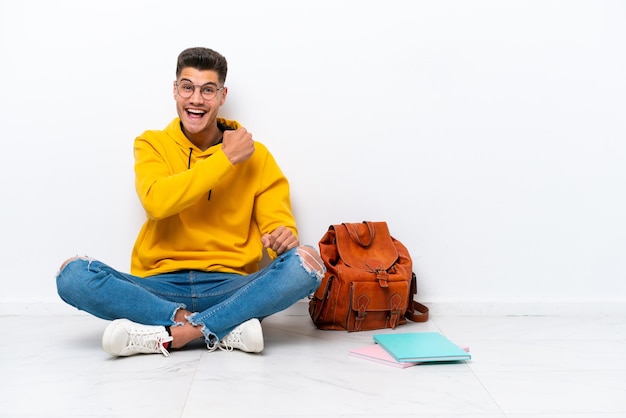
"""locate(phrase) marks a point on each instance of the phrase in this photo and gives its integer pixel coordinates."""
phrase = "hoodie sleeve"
(273, 203)
(163, 189)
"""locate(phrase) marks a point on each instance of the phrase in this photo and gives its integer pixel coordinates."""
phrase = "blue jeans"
(218, 301)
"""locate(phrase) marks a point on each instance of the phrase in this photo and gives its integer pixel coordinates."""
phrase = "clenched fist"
(280, 240)
(238, 145)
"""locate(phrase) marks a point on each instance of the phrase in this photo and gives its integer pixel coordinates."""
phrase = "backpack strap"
(422, 316)
(416, 312)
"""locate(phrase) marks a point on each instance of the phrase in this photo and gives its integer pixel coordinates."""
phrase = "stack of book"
(408, 349)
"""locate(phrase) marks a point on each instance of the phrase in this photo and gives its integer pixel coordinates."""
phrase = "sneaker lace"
(151, 340)
(228, 342)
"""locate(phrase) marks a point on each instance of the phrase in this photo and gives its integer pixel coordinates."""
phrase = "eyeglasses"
(186, 90)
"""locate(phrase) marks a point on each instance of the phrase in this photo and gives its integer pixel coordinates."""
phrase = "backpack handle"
(354, 234)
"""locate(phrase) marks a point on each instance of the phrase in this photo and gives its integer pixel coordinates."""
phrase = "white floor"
(522, 366)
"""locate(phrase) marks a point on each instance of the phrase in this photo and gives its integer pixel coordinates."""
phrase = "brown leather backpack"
(369, 283)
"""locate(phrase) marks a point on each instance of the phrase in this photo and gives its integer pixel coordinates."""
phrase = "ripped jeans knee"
(69, 260)
(311, 261)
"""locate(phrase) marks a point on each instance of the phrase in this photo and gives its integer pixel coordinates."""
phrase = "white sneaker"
(125, 338)
(246, 337)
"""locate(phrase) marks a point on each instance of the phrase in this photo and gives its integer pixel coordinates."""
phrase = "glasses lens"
(208, 92)
(185, 89)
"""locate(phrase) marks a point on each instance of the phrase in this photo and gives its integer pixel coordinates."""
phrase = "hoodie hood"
(175, 131)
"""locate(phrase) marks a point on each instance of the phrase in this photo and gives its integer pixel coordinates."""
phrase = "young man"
(214, 199)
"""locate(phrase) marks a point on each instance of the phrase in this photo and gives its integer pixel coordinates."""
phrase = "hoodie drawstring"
(189, 166)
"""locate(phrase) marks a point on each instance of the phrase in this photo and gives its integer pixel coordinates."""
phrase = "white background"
(490, 135)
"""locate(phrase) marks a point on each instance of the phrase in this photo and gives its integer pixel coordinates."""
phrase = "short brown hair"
(202, 59)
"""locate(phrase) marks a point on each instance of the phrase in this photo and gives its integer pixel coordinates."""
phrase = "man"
(214, 199)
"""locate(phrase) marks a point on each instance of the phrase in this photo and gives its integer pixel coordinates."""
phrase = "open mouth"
(195, 113)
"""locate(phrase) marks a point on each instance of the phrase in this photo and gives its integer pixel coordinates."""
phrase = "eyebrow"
(201, 85)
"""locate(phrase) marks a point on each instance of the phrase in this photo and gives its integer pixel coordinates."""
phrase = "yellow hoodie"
(203, 212)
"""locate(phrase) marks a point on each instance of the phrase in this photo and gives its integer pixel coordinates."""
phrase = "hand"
(280, 240)
(238, 145)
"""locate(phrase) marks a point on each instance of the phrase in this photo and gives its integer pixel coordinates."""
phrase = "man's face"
(197, 113)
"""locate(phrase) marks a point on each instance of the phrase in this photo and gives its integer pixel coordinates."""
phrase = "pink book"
(378, 354)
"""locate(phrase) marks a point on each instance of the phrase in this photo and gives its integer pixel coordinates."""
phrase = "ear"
(223, 97)
(174, 90)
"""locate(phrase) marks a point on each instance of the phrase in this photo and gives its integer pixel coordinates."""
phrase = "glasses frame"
(187, 83)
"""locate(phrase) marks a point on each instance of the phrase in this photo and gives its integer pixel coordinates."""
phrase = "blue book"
(421, 347)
